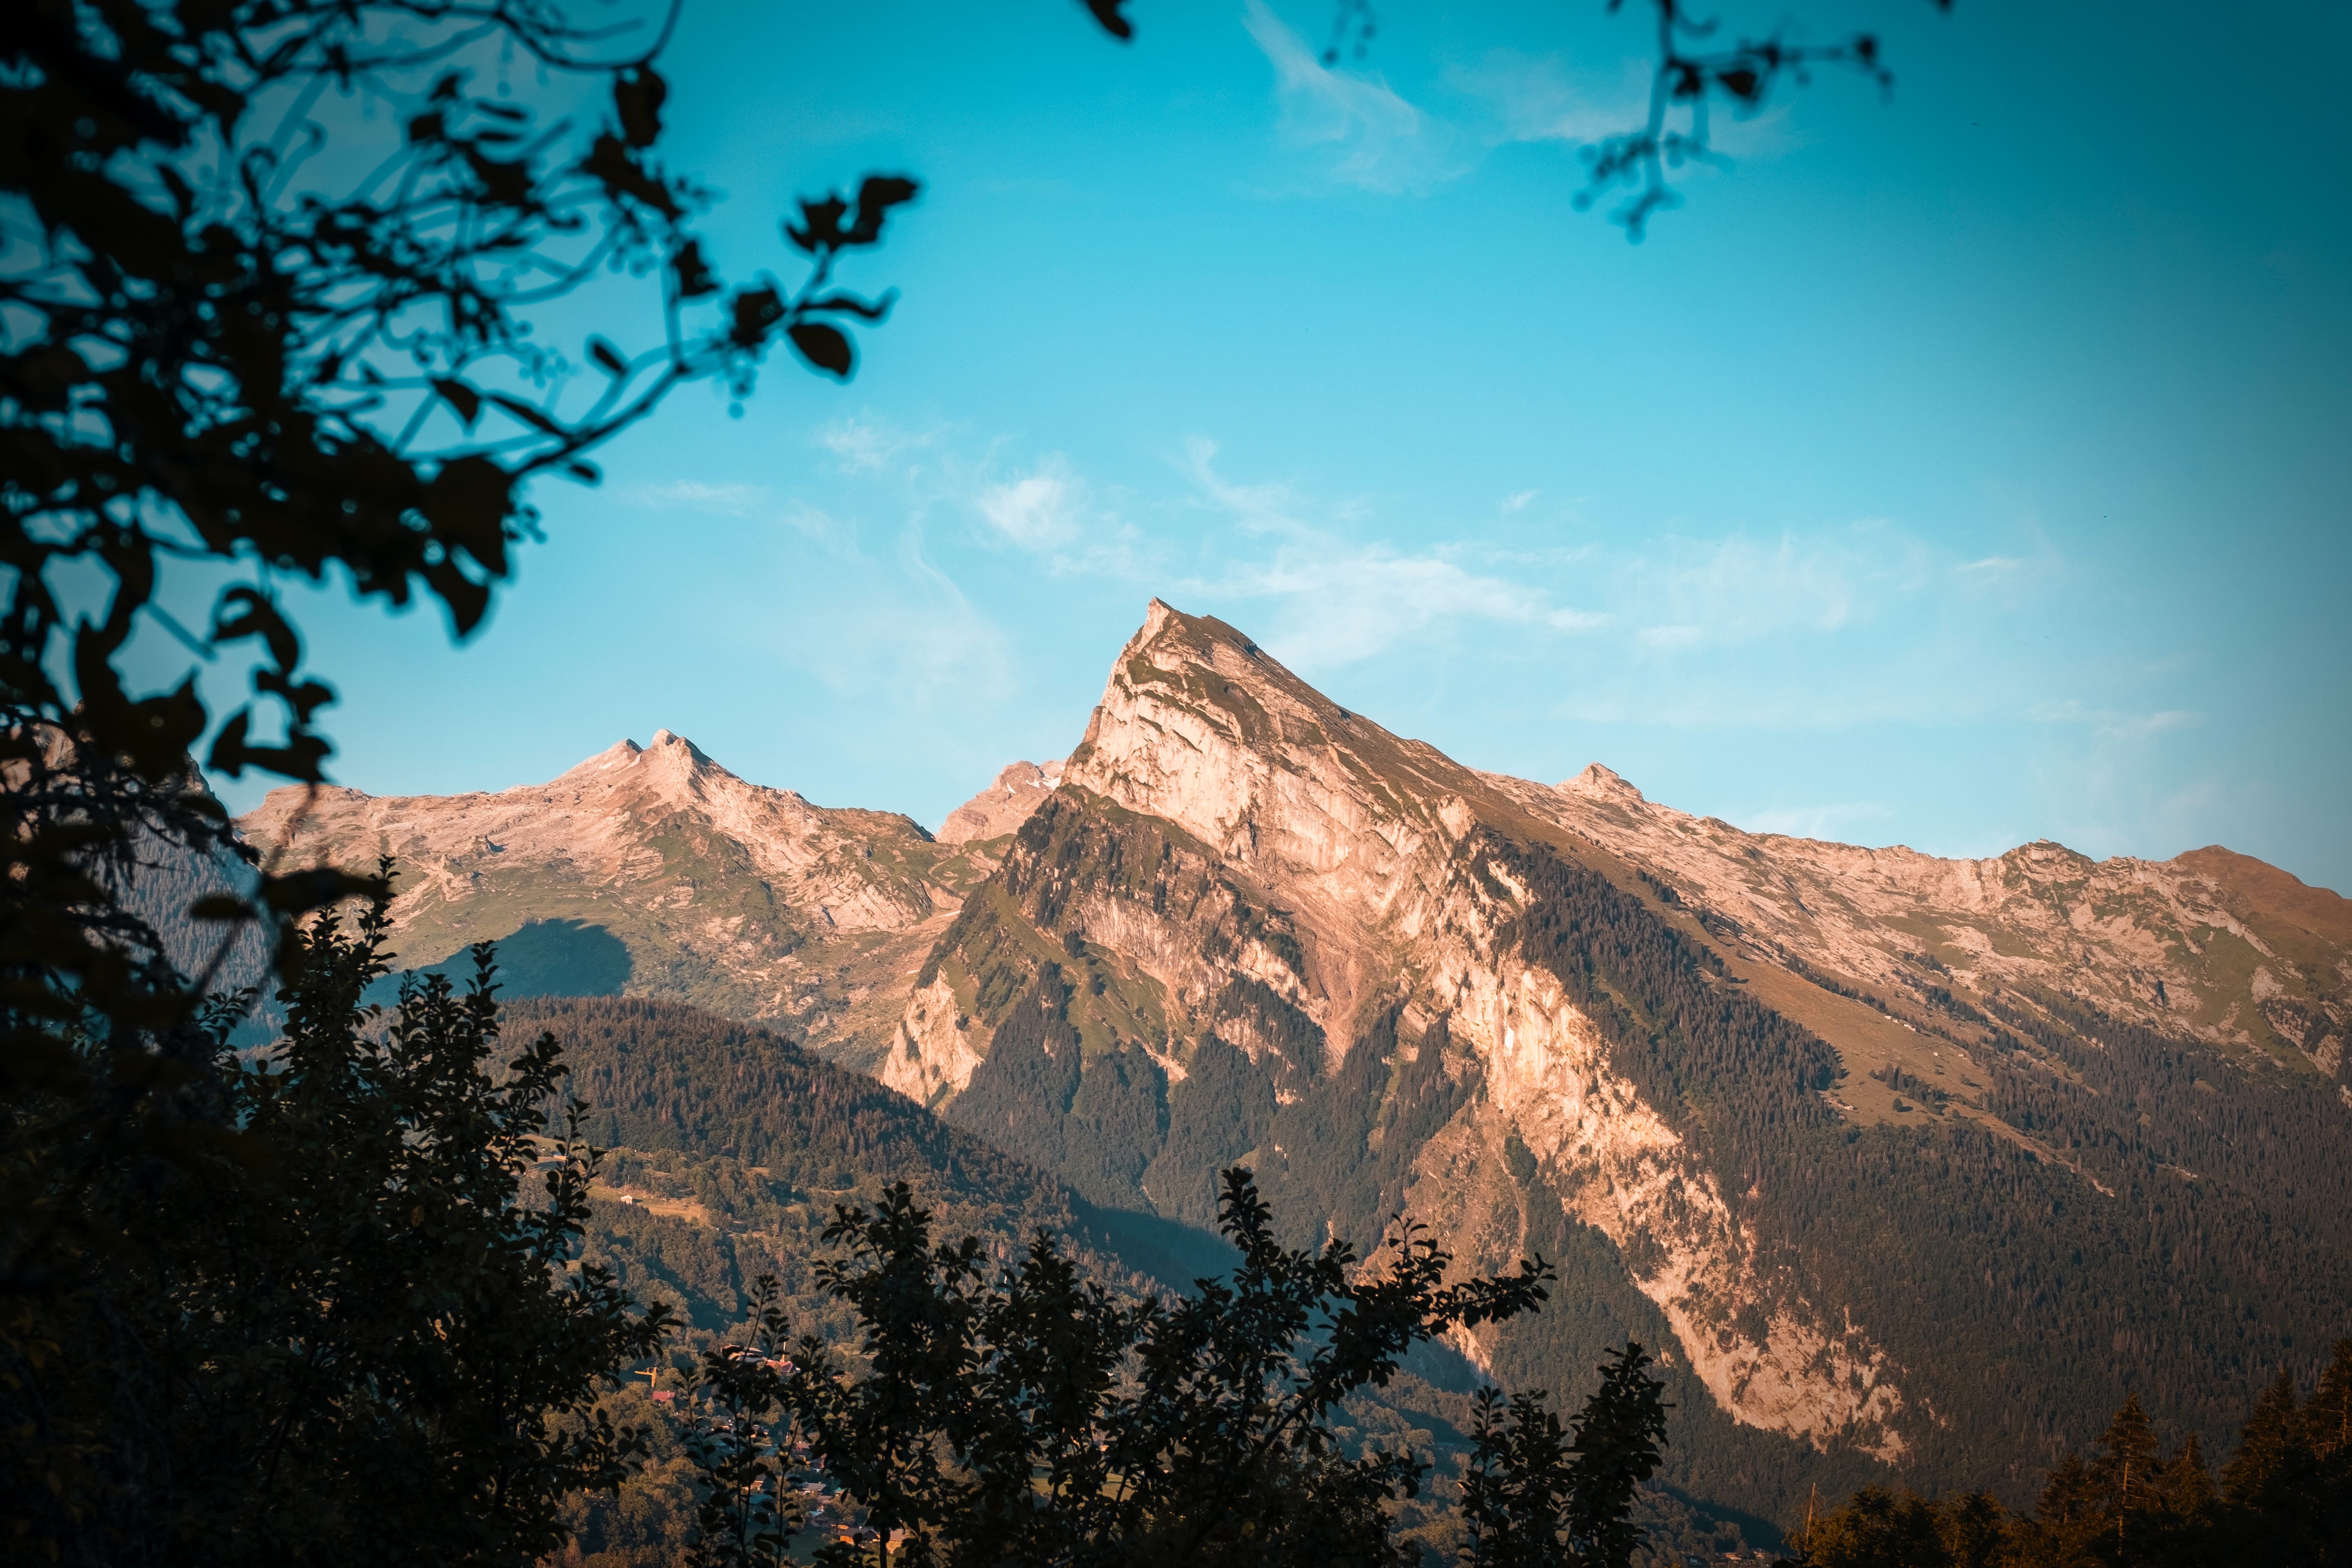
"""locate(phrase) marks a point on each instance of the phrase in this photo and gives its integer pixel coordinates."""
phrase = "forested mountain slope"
(732, 1145)
(2210, 945)
(1252, 926)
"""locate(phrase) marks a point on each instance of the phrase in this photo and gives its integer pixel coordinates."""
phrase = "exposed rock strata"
(1341, 846)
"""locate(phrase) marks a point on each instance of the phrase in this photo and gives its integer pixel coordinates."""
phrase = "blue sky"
(1954, 470)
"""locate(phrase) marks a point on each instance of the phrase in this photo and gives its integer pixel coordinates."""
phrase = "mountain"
(1905, 1162)
(653, 872)
(1908, 1165)
(2211, 945)
(1004, 806)
(729, 1147)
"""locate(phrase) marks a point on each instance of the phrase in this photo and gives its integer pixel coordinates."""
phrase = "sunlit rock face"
(747, 899)
(1005, 804)
(1249, 925)
(1307, 872)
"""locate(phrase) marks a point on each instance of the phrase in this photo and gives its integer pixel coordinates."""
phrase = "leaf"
(827, 348)
(820, 224)
(461, 397)
(876, 196)
(694, 279)
(612, 163)
(865, 309)
(608, 358)
(756, 309)
(638, 95)
(245, 612)
(1106, 12)
(184, 199)
(467, 503)
(299, 892)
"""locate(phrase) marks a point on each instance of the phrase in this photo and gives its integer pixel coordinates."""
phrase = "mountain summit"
(653, 871)
(1863, 1136)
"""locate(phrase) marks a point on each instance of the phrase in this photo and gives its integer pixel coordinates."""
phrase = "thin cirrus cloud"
(1686, 593)
(867, 444)
(2111, 722)
(1738, 629)
(726, 500)
(1531, 97)
(1040, 510)
(1510, 96)
(1335, 603)
(1360, 130)
(1336, 600)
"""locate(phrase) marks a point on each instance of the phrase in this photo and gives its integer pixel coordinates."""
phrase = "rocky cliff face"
(1734, 1076)
(653, 871)
(1310, 871)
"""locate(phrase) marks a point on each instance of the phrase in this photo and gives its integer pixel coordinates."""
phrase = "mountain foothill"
(1915, 1168)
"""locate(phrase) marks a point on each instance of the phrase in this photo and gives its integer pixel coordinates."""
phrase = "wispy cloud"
(1338, 600)
(2112, 723)
(726, 500)
(1337, 603)
(917, 652)
(1531, 97)
(1514, 97)
(867, 443)
(1364, 132)
(1686, 593)
(1517, 503)
(1042, 508)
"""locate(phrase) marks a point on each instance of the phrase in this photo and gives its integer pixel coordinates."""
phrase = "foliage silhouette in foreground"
(1022, 1414)
(1536, 1498)
(350, 1321)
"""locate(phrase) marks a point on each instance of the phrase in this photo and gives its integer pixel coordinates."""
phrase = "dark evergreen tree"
(350, 1320)
(1534, 1497)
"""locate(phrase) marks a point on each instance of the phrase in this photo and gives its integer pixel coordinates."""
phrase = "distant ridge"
(1005, 804)
(656, 864)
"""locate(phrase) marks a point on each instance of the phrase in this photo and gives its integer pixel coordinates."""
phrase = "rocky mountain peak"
(1017, 789)
(1200, 726)
(684, 876)
(1598, 783)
